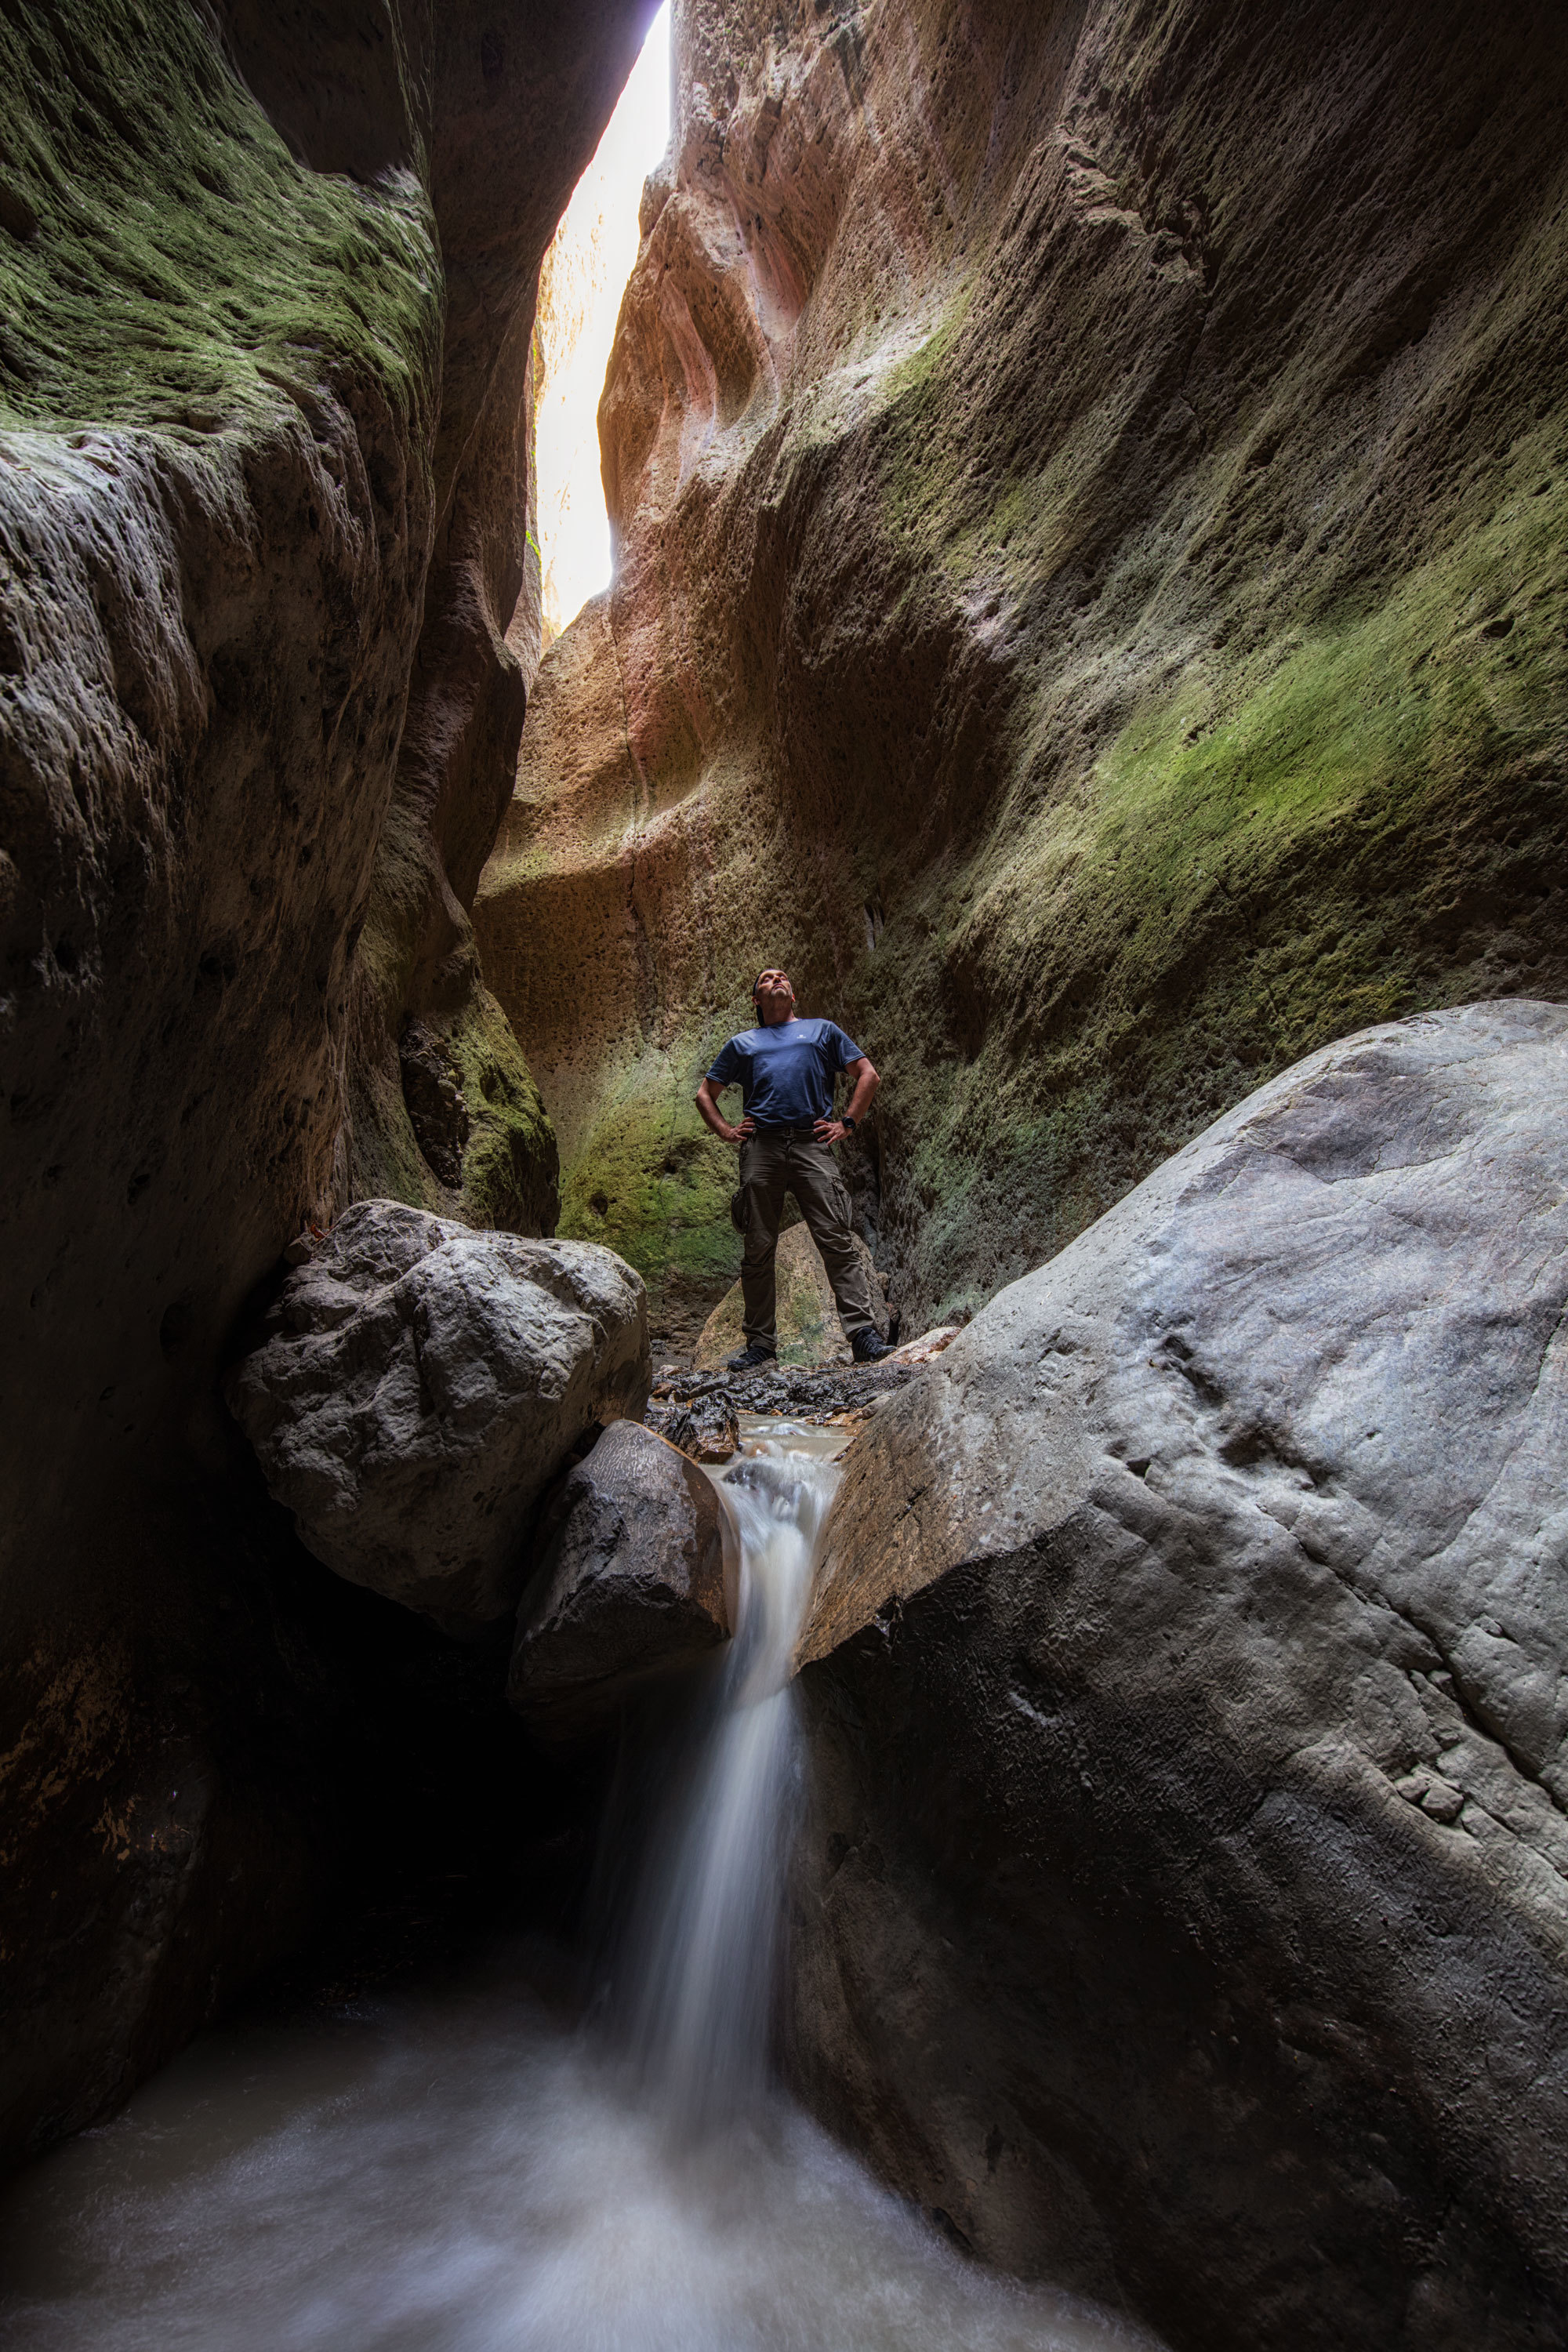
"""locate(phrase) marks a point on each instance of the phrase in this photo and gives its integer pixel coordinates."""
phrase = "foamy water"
(698, 1964)
(461, 2172)
(463, 2169)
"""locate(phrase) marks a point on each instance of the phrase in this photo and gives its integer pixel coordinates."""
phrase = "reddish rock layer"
(1090, 486)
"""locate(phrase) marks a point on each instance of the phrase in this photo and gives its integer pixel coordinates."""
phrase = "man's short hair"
(763, 975)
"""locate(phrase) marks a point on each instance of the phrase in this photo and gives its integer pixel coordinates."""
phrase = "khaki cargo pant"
(773, 1161)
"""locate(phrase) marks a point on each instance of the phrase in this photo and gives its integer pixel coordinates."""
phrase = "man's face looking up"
(773, 998)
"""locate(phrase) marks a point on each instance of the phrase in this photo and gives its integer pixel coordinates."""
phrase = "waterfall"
(707, 1932)
(450, 2167)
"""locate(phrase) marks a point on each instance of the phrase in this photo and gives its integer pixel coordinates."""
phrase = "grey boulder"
(420, 1384)
(632, 1585)
(1184, 1908)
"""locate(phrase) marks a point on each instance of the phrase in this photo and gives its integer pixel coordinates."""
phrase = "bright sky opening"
(583, 277)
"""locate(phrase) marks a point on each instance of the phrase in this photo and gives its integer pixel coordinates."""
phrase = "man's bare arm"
(707, 1111)
(864, 1084)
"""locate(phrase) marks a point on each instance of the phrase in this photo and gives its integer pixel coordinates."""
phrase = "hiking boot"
(869, 1347)
(752, 1357)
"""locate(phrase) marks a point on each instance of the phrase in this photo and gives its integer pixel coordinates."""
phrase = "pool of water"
(467, 2168)
(463, 2169)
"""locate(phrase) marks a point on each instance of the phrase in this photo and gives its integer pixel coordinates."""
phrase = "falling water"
(704, 1949)
(461, 2168)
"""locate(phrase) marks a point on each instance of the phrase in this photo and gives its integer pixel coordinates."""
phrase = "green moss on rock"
(1138, 661)
(511, 1169)
(1374, 827)
(650, 1182)
(164, 261)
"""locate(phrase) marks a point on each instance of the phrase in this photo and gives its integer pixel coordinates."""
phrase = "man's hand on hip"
(739, 1134)
(829, 1130)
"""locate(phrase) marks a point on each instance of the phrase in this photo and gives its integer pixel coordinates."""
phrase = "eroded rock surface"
(631, 1587)
(268, 285)
(1091, 495)
(1184, 1907)
(420, 1385)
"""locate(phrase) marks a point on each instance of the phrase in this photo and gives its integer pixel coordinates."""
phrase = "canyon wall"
(268, 280)
(1090, 486)
(1182, 1904)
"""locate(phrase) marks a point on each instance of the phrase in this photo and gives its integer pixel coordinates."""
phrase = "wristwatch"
(848, 1123)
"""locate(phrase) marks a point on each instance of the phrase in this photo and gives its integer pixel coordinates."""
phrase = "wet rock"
(706, 1429)
(809, 1331)
(631, 1586)
(419, 1386)
(793, 1391)
(261, 540)
(1185, 1905)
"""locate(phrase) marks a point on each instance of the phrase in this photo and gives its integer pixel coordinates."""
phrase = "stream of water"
(469, 2168)
(697, 1966)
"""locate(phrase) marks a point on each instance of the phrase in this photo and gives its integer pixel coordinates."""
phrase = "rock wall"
(1090, 486)
(1183, 1910)
(267, 283)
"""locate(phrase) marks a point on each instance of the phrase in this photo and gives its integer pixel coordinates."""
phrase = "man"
(785, 1068)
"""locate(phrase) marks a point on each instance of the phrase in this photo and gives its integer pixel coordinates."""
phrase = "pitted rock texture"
(1184, 1908)
(433, 1098)
(631, 1586)
(268, 280)
(419, 1386)
(1091, 495)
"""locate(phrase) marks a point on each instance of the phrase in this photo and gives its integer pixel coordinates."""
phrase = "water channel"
(473, 2167)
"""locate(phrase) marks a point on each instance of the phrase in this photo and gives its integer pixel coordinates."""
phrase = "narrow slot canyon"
(785, 1554)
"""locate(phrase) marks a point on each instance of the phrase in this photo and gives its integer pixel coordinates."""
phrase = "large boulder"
(631, 1586)
(420, 1384)
(1185, 1905)
(809, 1331)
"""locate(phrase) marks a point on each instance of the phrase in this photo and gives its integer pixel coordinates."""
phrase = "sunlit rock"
(421, 1383)
(632, 1585)
(1092, 547)
(808, 1329)
(1185, 1906)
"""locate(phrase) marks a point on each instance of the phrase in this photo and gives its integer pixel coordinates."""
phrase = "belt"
(760, 1129)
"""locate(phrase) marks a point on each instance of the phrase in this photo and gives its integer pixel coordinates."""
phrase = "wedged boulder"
(421, 1383)
(1183, 1909)
(809, 1331)
(631, 1586)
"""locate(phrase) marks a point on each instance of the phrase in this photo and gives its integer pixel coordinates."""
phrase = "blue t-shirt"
(786, 1075)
